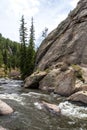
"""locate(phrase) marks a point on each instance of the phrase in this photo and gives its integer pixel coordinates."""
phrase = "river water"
(30, 115)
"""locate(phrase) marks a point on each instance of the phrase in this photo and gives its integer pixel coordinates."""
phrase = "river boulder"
(60, 82)
(51, 107)
(1, 128)
(49, 82)
(65, 83)
(33, 80)
(5, 109)
(80, 96)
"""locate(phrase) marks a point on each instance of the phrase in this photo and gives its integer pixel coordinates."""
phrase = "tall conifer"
(23, 40)
(31, 50)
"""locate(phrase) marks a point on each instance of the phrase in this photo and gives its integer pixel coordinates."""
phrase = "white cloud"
(46, 13)
(27, 7)
(73, 3)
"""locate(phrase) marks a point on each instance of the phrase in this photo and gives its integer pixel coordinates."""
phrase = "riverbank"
(12, 74)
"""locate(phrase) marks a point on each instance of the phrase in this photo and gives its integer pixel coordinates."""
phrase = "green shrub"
(78, 72)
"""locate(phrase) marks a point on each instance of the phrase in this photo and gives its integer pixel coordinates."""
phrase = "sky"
(46, 13)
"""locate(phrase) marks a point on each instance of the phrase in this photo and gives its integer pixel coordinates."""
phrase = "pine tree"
(5, 57)
(31, 51)
(1, 58)
(9, 54)
(23, 40)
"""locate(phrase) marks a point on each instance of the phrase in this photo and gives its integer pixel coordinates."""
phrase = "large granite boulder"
(80, 96)
(68, 42)
(33, 80)
(60, 82)
(65, 83)
(5, 109)
(49, 82)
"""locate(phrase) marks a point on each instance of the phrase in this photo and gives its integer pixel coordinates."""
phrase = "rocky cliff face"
(61, 63)
(68, 42)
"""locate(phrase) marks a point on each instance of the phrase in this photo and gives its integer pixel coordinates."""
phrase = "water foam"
(13, 96)
(69, 109)
(34, 94)
(38, 105)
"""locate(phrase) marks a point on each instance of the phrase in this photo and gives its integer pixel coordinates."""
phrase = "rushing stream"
(29, 114)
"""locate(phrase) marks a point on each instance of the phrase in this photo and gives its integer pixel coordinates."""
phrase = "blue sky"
(46, 13)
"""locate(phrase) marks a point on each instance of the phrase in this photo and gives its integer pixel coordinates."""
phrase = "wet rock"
(33, 80)
(1, 128)
(80, 96)
(5, 109)
(51, 108)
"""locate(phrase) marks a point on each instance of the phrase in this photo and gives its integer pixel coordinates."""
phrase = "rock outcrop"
(5, 109)
(68, 42)
(63, 56)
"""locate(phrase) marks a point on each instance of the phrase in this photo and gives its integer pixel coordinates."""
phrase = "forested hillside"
(9, 54)
(18, 56)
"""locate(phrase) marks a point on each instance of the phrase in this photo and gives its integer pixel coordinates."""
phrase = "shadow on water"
(29, 114)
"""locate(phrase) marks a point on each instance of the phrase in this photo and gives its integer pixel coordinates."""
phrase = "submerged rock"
(80, 96)
(5, 109)
(51, 108)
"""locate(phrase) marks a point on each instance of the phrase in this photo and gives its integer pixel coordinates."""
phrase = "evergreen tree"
(31, 51)
(1, 58)
(9, 54)
(23, 40)
(5, 57)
